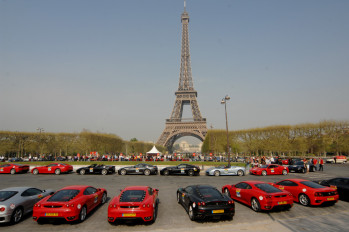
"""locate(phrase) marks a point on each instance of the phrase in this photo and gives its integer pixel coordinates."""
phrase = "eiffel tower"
(176, 126)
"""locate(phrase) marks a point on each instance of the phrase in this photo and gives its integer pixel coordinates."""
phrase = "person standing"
(321, 163)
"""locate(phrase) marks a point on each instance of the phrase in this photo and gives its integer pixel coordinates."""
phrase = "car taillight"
(37, 205)
(201, 203)
(72, 205)
(2, 209)
(268, 196)
(113, 206)
(318, 194)
(230, 202)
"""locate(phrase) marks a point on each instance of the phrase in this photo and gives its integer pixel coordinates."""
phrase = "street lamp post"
(224, 101)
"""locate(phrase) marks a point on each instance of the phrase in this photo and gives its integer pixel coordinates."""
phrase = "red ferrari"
(70, 203)
(259, 195)
(270, 169)
(14, 168)
(54, 168)
(135, 202)
(308, 193)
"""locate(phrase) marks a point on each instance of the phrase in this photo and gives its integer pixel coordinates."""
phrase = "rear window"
(312, 184)
(268, 188)
(300, 163)
(132, 196)
(209, 193)
(5, 195)
(64, 195)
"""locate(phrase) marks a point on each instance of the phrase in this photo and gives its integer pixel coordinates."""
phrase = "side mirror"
(157, 190)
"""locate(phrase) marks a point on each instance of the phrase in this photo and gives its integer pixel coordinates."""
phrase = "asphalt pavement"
(173, 217)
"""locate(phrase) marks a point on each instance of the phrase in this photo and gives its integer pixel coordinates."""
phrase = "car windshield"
(268, 188)
(209, 193)
(4, 195)
(312, 184)
(64, 195)
(300, 163)
(132, 196)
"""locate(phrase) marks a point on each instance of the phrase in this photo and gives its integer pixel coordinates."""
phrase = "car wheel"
(304, 199)
(104, 198)
(191, 213)
(35, 171)
(226, 191)
(255, 205)
(147, 172)
(104, 172)
(155, 213)
(264, 173)
(217, 173)
(166, 173)
(58, 171)
(82, 172)
(123, 172)
(178, 197)
(17, 215)
(284, 172)
(83, 213)
(13, 171)
(240, 173)
(191, 173)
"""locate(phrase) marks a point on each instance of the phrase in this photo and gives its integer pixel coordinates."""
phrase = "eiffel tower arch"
(177, 126)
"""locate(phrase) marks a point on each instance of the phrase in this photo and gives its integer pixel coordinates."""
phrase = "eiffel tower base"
(176, 130)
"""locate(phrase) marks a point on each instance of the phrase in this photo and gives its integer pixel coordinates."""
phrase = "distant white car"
(226, 171)
(339, 159)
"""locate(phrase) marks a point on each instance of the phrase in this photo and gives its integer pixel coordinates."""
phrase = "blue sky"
(113, 66)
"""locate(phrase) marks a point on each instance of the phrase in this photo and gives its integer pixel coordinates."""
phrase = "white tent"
(154, 151)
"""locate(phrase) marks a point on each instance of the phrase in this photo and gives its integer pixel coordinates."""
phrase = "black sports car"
(299, 167)
(144, 169)
(342, 185)
(181, 169)
(96, 169)
(201, 201)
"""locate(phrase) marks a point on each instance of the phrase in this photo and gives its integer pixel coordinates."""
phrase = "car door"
(186, 196)
(6, 168)
(271, 169)
(180, 169)
(291, 187)
(91, 196)
(30, 197)
(231, 171)
(239, 192)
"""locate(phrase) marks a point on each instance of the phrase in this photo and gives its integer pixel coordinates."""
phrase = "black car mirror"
(157, 190)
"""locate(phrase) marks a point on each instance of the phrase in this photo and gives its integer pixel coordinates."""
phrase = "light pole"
(224, 101)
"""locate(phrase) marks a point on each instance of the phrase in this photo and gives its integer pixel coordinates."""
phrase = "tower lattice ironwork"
(177, 126)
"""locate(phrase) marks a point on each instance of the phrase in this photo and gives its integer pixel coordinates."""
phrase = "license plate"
(282, 202)
(51, 214)
(129, 215)
(218, 211)
(330, 198)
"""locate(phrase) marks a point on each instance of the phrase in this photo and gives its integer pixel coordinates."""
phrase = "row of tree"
(21, 144)
(320, 138)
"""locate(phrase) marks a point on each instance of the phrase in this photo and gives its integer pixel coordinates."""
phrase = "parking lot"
(173, 217)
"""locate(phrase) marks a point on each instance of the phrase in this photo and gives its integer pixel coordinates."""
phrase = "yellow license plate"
(330, 198)
(51, 214)
(129, 215)
(282, 202)
(218, 211)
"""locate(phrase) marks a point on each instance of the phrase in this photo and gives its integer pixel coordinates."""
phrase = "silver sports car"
(226, 171)
(17, 201)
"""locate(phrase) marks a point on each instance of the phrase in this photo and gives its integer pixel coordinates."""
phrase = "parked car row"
(73, 203)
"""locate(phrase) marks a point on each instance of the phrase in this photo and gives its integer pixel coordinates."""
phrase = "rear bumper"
(145, 214)
(65, 213)
(324, 200)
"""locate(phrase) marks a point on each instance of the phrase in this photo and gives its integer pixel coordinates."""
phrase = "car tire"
(284, 172)
(217, 173)
(264, 173)
(155, 213)
(13, 171)
(178, 198)
(226, 191)
(241, 173)
(123, 172)
(191, 212)
(191, 173)
(58, 171)
(82, 172)
(17, 215)
(104, 198)
(35, 171)
(303, 199)
(104, 172)
(255, 205)
(147, 172)
(166, 172)
(83, 214)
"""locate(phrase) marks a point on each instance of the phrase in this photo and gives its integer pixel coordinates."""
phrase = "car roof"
(77, 187)
(254, 182)
(295, 180)
(19, 189)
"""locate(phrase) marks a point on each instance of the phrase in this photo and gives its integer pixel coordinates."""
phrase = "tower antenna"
(185, 4)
